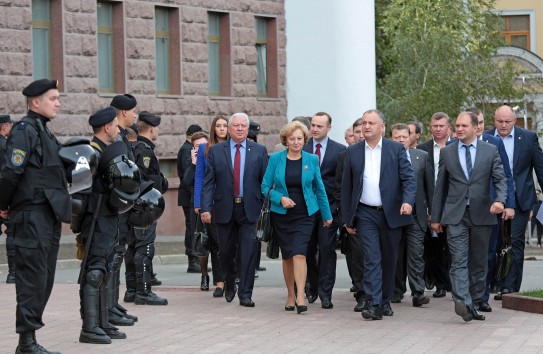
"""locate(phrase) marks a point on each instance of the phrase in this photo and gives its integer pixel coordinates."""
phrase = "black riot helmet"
(81, 163)
(148, 208)
(121, 177)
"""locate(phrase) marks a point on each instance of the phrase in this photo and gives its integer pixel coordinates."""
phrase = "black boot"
(91, 332)
(113, 332)
(144, 295)
(11, 270)
(115, 316)
(204, 284)
(194, 265)
(28, 345)
(130, 293)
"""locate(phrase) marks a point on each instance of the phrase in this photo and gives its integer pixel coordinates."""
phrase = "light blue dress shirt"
(462, 155)
(243, 152)
(509, 144)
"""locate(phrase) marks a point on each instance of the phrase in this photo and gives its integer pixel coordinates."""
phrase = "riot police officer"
(35, 196)
(95, 214)
(5, 127)
(142, 240)
(125, 106)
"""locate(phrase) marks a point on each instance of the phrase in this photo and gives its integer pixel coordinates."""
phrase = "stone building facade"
(74, 55)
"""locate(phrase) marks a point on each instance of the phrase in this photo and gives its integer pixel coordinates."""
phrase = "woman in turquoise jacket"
(294, 183)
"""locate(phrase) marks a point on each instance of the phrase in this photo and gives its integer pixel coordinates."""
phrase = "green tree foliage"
(439, 55)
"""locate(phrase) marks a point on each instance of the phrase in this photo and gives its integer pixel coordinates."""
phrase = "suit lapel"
(516, 145)
(384, 157)
(305, 171)
(456, 159)
(228, 155)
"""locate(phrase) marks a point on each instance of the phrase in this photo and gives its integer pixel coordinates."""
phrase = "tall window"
(219, 67)
(41, 39)
(516, 30)
(105, 47)
(266, 50)
(261, 51)
(162, 50)
(167, 47)
(47, 55)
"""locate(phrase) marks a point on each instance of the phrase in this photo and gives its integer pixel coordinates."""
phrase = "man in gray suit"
(462, 202)
(411, 254)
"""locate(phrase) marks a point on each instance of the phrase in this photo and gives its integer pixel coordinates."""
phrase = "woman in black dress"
(296, 191)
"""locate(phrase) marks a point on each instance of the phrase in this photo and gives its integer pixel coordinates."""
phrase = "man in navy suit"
(322, 273)
(377, 197)
(231, 191)
(524, 155)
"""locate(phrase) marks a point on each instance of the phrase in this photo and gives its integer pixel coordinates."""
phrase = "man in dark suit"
(322, 273)
(357, 288)
(234, 172)
(183, 196)
(462, 202)
(377, 196)
(435, 246)
(525, 156)
(411, 253)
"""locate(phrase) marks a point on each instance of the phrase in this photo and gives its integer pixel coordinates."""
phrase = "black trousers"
(36, 239)
(239, 232)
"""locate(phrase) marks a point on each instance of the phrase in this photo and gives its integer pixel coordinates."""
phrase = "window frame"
(532, 30)
(225, 62)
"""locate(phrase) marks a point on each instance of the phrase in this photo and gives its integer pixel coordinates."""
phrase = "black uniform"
(143, 239)
(10, 248)
(33, 184)
(97, 273)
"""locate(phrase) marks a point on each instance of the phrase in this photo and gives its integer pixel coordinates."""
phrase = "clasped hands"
(288, 203)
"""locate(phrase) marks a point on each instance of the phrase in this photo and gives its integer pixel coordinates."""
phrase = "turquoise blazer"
(312, 186)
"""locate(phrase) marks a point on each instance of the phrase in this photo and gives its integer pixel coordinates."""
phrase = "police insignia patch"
(17, 157)
(146, 161)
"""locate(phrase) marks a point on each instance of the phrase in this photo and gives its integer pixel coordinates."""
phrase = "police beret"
(102, 117)
(124, 102)
(5, 118)
(193, 128)
(255, 127)
(149, 118)
(39, 87)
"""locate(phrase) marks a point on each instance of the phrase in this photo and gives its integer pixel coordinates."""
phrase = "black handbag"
(505, 251)
(272, 251)
(263, 227)
(200, 245)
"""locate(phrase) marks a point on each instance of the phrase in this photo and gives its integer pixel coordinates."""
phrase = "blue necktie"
(469, 166)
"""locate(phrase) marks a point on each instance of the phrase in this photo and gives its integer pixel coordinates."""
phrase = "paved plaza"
(194, 321)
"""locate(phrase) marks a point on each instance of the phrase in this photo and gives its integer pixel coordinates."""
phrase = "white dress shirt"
(371, 194)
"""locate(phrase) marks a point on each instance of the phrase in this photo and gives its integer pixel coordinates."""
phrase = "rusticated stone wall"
(80, 96)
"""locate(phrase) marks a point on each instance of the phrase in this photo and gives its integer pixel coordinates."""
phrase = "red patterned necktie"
(237, 164)
(318, 152)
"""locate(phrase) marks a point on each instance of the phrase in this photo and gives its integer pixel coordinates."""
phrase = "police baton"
(89, 238)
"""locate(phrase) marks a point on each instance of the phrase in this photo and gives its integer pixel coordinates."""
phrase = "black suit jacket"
(183, 162)
(328, 168)
(527, 158)
(396, 183)
(428, 146)
(425, 186)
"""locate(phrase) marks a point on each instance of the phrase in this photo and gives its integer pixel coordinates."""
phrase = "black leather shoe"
(397, 299)
(387, 310)
(229, 295)
(246, 302)
(419, 300)
(429, 285)
(373, 312)
(463, 311)
(289, 308)
(155, 281)
(150, 298)
(261, 269)
(114, 333)
(326, 303)
(204, 283)
(476, 315)
(499, 294)
(219, 292)
(10, 279)
(95, 336)
(311, 297)
(352, 289)
(440, 293)
(361, 305)
(117, 320)
(484, 306)
(301, 308)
